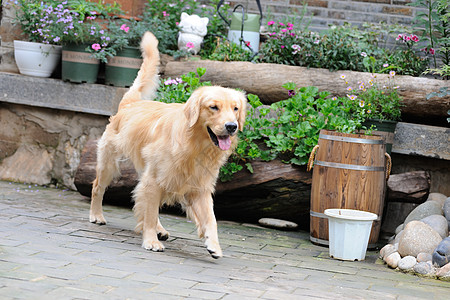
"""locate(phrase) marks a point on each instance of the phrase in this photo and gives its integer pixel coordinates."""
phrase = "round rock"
(387, 250)
(438, 223)
(444, 272)
(407, 262)
(278, 224)
(424, 268)
(438, 197)
(441, 255)
(424, 257)
(399, 228)
(418, 237)
(447, 210)
(393, 259)
(424, 210)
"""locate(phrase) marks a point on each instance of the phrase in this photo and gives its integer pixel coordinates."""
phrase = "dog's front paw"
(214, 249)
(156, 246)
(97, 219)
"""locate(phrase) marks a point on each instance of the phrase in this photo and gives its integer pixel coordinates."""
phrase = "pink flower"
(385, 65)
(281, 24)
(392, 73)
(283, 30)
(124, 28)
(270, 23)
(352, 97)
(247, 43)
(431, 51)
(282, 47)
(190, 45)
(165, 14)
(414, 38)
(399, 37)
(290, 25)
(96, 47)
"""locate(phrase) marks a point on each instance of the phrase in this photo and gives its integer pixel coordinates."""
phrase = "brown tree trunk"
(266, 80)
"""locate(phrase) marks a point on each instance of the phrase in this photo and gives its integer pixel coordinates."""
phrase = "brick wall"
(327, 12)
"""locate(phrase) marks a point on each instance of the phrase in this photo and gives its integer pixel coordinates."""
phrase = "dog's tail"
(147, 80)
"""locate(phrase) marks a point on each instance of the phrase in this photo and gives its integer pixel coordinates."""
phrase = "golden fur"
(171, 147)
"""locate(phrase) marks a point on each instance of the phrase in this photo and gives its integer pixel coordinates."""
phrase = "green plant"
(370, 100)
(229, 51)
(288, 129)
(119, 33)
(433, 24)
(38, 20)
(179, 90)
(217, 28)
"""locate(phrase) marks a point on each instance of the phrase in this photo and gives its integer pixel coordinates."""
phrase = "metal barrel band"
(350, 139)
(348, 166)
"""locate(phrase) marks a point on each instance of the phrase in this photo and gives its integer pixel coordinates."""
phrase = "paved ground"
(49, 250)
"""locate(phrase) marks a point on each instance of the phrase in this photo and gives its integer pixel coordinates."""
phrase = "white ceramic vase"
(36, 59)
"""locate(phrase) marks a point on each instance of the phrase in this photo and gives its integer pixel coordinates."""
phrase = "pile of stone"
(421, 245)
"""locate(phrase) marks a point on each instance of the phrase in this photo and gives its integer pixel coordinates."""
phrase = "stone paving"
(49, 250)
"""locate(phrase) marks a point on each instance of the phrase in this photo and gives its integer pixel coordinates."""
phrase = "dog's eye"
(214, 107)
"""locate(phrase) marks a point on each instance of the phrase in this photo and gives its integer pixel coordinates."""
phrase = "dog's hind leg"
(200, 210)
(147, 198)
(107, 169)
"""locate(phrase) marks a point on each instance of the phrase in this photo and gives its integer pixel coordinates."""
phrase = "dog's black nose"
(231, 127)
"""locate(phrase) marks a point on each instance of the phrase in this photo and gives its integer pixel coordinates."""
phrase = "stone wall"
(42, 145)
(45, 123)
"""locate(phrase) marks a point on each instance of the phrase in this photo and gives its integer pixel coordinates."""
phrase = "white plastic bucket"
(349, 232)
(250, 37)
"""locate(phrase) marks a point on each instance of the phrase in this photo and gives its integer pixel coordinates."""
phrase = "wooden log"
(412, 187)
(266, 80)
(120, 189)
(274, 190)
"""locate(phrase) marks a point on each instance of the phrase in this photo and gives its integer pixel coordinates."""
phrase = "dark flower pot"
(78, 65)
(383, 128)
(122, 69)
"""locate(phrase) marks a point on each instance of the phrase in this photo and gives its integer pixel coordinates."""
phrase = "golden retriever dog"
(177, 150)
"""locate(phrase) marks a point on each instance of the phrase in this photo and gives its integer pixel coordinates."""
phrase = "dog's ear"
(242, 111)
(192, 107)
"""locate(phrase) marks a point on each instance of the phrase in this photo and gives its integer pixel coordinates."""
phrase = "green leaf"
(201, 71)
(249, 167)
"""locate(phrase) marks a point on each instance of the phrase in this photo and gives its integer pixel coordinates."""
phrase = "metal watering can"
(244, 27)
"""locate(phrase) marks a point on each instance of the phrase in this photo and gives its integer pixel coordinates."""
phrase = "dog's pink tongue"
(224, 142)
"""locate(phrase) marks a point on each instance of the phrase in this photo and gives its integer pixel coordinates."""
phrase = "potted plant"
(122, 57)
(377, 106)
(83, 24)
(40, 55)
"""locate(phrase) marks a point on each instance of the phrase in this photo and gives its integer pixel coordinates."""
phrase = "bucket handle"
(311, 158)
(313, 155)
(388, 165)
(228, 23)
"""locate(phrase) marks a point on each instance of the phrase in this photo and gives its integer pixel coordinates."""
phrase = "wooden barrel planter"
(349, 172)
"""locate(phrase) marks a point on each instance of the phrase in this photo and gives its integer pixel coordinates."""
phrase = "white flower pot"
(36, 59)
(349, 232)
